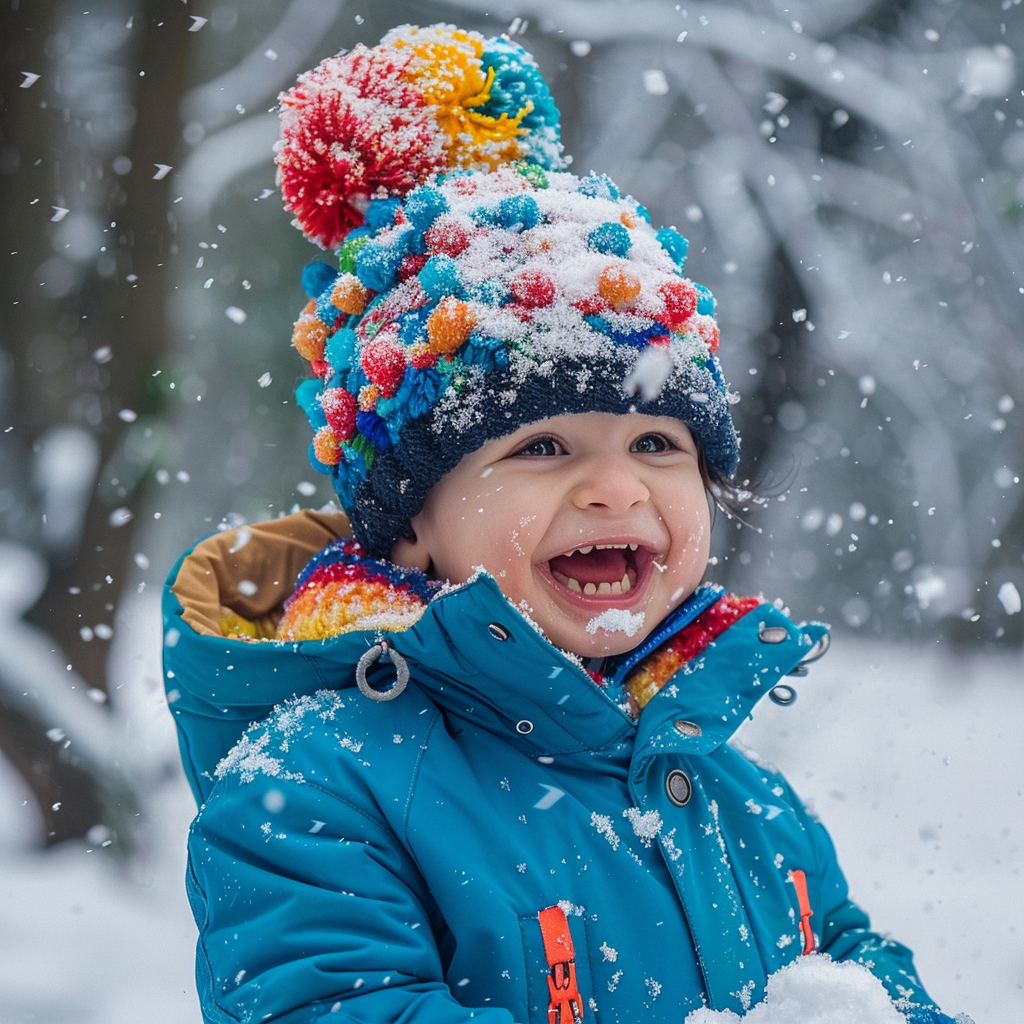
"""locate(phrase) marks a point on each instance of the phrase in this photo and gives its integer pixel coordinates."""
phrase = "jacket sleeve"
(845, 929)
(309, 905)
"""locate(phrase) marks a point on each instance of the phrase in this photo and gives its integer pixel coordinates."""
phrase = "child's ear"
(411, 552)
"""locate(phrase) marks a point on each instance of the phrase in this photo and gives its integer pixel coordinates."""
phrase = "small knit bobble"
(340, 409)
(309, 334)
(326, 447)
(680, 298)
(534, 288)
(349, 294)
(449, 325)
(383, 362)
(618, 287)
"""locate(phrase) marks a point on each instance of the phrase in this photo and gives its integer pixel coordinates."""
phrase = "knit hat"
(480, 286)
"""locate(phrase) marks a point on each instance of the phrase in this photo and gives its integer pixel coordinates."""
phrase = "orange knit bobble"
(326, 447)
(618, 287)
(349, 294)
(368, 396)
(449, 325)
(627, 219)
(309, 336)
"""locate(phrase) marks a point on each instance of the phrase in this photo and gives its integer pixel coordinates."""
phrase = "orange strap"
(799, 880)
(565, 1004)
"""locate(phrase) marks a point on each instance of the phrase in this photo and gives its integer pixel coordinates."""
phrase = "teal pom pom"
(340, 350)
(611, 239)
(440, 277)
(424, 206)
(381, 213)
(307, 396)
(519, 212)
(317, 277)
(378, 261)
(643, 212)
(517, 84)
(705, 300)
(598, 186)
(675, 245)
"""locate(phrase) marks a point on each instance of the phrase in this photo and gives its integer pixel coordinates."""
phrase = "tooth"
(586, 550)
(626, 585)
(589, 589)
(604, 588)
(564, 580)
(633, 547)
(602, 547)
(573, 585)
(616, 587)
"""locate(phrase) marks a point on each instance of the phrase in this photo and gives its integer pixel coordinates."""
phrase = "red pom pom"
(533, 288)
(446, 235)
(680, 298)
(591, 305)
(351, 129)
(339, 407)
(411, 265)
(321, 368)
(383, 362)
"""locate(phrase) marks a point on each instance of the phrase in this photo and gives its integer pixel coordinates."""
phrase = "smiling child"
(489, 775)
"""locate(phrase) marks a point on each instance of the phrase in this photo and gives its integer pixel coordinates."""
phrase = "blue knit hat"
(495, 291)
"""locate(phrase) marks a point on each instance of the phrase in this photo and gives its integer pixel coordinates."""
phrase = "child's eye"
(650, 443)
(540, 447)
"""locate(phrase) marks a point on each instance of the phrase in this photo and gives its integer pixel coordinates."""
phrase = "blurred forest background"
(850, 174)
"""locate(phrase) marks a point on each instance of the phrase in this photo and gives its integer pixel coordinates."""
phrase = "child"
(490, 775)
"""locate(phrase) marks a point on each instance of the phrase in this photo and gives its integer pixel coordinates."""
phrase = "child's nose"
(609, 482)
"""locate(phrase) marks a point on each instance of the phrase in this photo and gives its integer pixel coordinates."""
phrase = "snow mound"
(815, 990)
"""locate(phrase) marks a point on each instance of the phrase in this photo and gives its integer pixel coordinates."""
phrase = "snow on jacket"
(501, 835)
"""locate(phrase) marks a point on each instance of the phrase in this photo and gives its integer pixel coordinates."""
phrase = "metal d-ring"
(387, 653)
(783, 694)
(821, 645)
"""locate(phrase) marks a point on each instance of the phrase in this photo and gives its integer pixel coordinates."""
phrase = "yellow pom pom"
(349, 294)
(618, 287)
(309, 337)
(326, 447)
(449, 325)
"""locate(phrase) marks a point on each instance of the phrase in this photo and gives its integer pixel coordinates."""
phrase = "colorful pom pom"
(534, 288)
(611, 239)
(680, 298)
(618, 287)
(675, 245)
(349, 294)
(326, 447)
(383, 362)
(317, 278)
(449, 325)
(309, 336)
(339, 407)
(447, 236)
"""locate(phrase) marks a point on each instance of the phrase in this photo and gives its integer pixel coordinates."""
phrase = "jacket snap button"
(688, 728)
(678, 787)
(497, 631)
(524, 727)
(773, 634)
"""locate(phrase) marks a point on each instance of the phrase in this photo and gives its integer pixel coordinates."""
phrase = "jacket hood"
(474, 653)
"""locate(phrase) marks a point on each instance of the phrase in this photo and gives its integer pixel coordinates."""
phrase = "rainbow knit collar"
(342, 591)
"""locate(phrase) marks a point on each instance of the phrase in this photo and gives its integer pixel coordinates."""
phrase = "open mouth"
(603, 570)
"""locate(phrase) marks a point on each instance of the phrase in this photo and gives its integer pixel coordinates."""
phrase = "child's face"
(535, 509)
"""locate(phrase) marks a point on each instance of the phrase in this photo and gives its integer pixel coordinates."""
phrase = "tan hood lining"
(271, 558)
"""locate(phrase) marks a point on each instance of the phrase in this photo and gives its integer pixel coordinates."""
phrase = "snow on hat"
(480, 286)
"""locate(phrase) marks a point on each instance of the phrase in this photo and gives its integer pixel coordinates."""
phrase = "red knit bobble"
(533, 288)
(339, 407)
(411, 265)
(446, 236)
(680, 298)
(383, 362)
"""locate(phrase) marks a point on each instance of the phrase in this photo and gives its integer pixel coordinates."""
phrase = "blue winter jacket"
(389, 861)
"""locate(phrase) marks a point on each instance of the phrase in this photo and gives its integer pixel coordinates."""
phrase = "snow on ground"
(905, 753)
